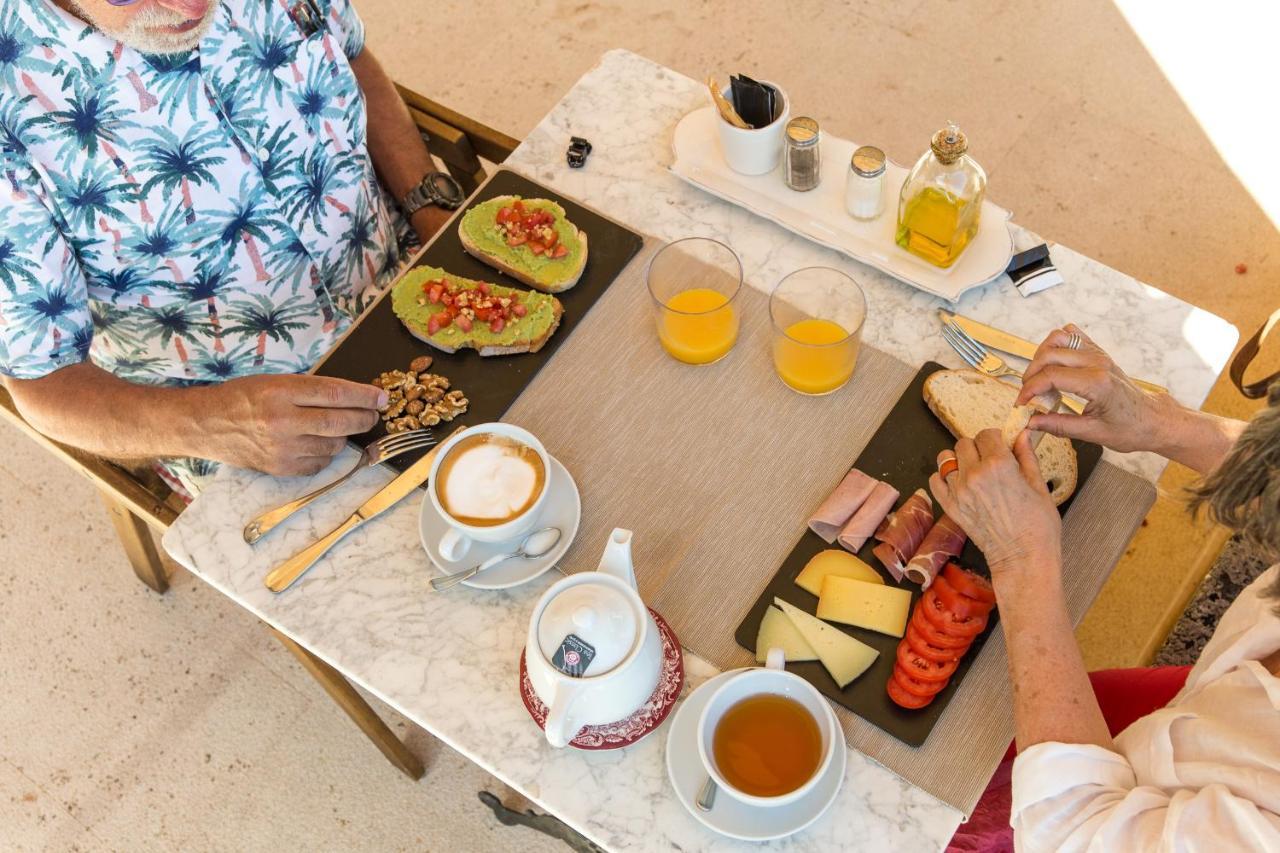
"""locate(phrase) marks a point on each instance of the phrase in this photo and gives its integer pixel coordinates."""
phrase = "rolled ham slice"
(841, 504)
(944, 541)
(867, 519)
(900, 534)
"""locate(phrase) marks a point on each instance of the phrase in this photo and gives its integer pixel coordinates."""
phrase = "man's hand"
(999, 499)
(289, 425)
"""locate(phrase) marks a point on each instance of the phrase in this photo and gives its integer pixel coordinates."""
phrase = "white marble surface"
(449, 662)
(628, 107)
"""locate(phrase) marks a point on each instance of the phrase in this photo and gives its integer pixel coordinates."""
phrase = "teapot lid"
(588, 629)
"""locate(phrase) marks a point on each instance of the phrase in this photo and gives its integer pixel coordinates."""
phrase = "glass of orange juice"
(817, 315)
(694, 283)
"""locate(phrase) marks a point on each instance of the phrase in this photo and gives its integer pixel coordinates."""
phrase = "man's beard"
(140, 34)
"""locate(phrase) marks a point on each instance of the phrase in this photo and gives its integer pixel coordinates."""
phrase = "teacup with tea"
(488, 483)
(767, 736)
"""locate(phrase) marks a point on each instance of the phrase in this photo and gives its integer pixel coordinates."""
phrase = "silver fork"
(985, 361)
(385, 448)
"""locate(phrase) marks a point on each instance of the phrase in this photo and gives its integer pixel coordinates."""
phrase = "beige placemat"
(716, 469)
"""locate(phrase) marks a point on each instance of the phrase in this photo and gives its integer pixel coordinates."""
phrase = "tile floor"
(132, 721)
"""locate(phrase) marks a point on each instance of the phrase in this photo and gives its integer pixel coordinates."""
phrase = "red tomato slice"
(903, 699)
(915, 686)
(920, 667)
(497, 324)
(536, 248)
(551, 237)
(935, 637)
(961, 605)
(435, 292)
(969, 584)
(928, 650)
(517, 239)
(518, 205)
(560, 251)
(464, 322)
(507, 214)
(433, 324)
(946, 621)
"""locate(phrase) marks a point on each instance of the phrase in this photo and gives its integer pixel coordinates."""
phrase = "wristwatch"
(437, 188)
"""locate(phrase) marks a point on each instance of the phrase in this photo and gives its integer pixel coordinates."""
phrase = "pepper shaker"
(803, 160)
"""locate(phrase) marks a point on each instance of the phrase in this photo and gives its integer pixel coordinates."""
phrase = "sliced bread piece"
(968, 402)
(486, 237)
(419, 302)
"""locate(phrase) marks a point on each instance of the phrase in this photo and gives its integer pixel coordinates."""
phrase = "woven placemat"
(716, 469)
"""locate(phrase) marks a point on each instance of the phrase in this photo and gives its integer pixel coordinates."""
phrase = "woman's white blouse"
(1200, 774)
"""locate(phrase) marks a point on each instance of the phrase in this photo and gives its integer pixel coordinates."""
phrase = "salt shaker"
(803, 160)
(864, 190)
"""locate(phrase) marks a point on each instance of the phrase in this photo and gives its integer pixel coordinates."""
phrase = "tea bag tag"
(573, 656)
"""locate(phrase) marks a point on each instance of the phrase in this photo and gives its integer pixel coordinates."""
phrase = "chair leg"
(139, 546)
(341, 691)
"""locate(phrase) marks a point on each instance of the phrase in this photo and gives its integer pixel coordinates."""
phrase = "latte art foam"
(488, 480)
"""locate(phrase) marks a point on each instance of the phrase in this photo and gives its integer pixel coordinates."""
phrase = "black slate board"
(903, 453)
(379, 342)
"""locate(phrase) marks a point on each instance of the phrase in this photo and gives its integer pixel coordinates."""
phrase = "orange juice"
(700, 327)
(815, 356)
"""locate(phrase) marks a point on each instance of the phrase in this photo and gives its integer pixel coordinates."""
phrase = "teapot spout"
(616, 559)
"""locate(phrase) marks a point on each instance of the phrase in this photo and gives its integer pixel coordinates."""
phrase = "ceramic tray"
(820, 215)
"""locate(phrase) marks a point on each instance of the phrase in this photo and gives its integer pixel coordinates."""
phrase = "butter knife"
(283, 576)
(1014, 345)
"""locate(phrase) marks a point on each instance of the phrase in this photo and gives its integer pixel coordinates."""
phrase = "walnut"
(402, 424)
(394, 409)
(420, 364)
(434, 386)
(453, 404)
(410, 379)
(429, 418)
(391, 379)
(395, 427)
(415, 407)
(415, 392)
(411, 422)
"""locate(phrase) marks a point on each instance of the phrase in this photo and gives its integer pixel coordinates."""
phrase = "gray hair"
(1244, 492)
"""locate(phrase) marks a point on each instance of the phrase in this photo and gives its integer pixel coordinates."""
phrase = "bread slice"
(968, 402)
(523, 334)
(518, 262)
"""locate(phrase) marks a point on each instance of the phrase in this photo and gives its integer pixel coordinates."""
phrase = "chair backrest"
(458, 141)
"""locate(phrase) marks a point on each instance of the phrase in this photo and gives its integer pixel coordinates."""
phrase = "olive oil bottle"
(941, 201)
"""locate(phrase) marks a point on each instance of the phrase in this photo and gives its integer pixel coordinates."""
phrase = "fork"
(985, 361)
(385, 448)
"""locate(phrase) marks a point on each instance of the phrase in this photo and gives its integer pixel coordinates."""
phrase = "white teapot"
(594, 654)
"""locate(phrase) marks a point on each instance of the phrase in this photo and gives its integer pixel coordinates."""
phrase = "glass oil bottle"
(941, 200)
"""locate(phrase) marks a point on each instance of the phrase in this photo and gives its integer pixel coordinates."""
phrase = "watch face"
(446, 189)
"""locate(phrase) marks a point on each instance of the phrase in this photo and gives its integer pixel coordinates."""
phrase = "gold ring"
(948, 467)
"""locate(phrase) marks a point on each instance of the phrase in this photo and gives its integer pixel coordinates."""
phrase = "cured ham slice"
(866, 521)
(900, 534)
(841, 504)
(944, 541)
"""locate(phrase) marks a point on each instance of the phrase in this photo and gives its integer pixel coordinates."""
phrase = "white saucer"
(732, 817)
(562, 509)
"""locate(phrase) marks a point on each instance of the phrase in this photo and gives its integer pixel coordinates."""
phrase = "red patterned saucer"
(642, 722)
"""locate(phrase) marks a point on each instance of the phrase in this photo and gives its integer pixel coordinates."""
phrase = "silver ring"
(1074, 342)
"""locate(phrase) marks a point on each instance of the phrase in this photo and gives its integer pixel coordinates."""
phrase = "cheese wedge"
(873, 606)
(778, 632)
(842, 656)
(833, 562)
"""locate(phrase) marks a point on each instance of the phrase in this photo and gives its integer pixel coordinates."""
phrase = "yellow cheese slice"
(873, 606)
(833, 562)
(778, 632)
(843, 656)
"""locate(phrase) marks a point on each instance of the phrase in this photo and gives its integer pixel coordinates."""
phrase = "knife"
(1014, 345)
(282, 576)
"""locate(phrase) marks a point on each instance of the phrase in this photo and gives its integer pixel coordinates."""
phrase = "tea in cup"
(488, 482)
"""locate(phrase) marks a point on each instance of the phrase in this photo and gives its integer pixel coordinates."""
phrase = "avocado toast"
(528, 239)
(451, 313)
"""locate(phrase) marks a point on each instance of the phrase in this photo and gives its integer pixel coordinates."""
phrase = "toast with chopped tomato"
(450, 313)
(530, 240)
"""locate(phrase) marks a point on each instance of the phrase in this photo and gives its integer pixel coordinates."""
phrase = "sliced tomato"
(536, 248)
(918, 666)
(435, 292)
(497, 324)
(517, 239)
(928, 650)
(518, 206)
(969, 584)
(961, 605)
(935, 637)
(903, 699)
(519, 310)
(560, 251)
(433, 324)
(464, 322)
(507, 214)
(551, 237)
(483, 313)
(915, 686)
(946, 621)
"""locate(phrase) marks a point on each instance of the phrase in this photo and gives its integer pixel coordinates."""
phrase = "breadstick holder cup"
(758, 150)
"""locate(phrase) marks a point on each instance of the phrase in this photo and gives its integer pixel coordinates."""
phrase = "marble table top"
(449, 662)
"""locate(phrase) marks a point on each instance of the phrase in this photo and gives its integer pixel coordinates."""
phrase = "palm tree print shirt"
(185, 218)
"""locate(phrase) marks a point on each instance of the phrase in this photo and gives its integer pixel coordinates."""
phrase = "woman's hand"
(1119, 414)
(999, 499)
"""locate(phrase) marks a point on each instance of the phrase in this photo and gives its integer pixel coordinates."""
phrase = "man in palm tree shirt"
(191, 218)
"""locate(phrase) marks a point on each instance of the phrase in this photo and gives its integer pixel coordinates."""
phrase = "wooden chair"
(142, 507)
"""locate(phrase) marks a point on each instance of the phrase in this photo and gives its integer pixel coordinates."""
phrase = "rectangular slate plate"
(379, 342)
(903, 453)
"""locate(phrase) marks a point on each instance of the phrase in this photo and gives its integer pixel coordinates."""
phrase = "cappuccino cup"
(488, 483)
